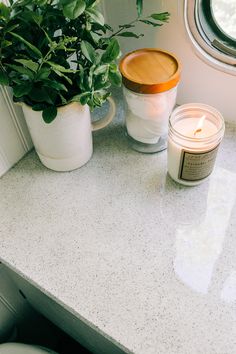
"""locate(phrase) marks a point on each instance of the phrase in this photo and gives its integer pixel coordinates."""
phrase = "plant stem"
(124, 27)
(44, 60)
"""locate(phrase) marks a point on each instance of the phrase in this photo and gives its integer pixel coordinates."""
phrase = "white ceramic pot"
(66, 143)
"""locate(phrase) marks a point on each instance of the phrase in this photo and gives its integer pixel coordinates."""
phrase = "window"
(224, 14)
(211, 25)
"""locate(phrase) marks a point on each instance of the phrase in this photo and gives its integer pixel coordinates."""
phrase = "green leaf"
(85, 97)
(43, 74)
(21, 90)
(60, 67)
(20, 3)
(88, 26)
(100, 83)
(28, 44)
(139, 5)
(4, 11)
(37, 18)
(64, 76)
(39, 107)
(154, 24)
(96, 16)
(75, 98)
(63, 100)
(3, 78)
(95, 37)
(112, 51)
(108, 27)
(81, 77)
(29, 64)
(129, 34)
(49, 114)
(90, 2)
(97, 100)
(22, 70)
(101, 69)
(115, 78)
(113, 67)
(10, 27)
(6, 43)
(56, 85)
(17, 80)
(73, 9)
(88, 82)
(128, 25)
(163, 16)
(100, 97)
(88, 51)
(42, 95)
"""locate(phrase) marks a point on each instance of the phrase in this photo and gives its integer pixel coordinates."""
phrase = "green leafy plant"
(53, 52)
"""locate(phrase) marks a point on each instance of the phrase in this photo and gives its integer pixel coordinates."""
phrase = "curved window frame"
(210, 42)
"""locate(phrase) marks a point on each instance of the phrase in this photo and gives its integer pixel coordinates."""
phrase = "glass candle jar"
(195, 133)
(150, 79)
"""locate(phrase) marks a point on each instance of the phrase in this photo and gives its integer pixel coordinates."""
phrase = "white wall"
(200, 82)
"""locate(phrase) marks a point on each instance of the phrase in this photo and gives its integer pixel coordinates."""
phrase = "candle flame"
(199, 125)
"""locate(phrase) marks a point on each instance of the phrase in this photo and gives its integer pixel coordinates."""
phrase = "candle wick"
(197, 131)
(199, 126)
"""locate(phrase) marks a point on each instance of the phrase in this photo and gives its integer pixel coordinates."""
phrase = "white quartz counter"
(147, 262)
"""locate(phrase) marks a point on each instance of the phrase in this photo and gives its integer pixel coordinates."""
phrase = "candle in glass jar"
(195, 132)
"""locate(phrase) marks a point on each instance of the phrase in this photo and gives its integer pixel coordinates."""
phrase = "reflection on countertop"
(199, 246)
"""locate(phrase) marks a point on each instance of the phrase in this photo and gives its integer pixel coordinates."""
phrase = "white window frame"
(208, 49)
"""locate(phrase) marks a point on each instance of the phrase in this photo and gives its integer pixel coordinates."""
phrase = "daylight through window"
(212, 26)
(224, 12)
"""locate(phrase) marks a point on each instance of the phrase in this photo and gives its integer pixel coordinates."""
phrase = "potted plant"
(60, 59)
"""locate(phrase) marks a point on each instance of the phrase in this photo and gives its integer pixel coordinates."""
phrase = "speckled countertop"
(148, 262)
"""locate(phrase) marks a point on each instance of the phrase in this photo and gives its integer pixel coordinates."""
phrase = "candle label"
(197, 166)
